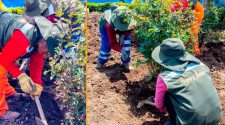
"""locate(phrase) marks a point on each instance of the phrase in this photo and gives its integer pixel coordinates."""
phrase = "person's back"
(185, 88)
(193, 94)
(10, 22)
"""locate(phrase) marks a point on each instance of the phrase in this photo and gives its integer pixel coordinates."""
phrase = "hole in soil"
(28, 110)
(140, 90)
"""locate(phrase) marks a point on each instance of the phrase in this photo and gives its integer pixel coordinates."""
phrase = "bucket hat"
(172, 55)
(122, 19)
(39, 7)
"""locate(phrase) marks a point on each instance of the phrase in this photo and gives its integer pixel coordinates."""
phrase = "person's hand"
(149, 101)
(38, 90)
(121, 40)
(26, 83)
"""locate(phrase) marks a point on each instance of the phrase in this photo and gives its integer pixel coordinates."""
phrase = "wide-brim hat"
(122, 19)
(51, 32)
(39, 7)
(172, 55)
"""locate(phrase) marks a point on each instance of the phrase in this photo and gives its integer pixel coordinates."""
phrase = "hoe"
(43, 120)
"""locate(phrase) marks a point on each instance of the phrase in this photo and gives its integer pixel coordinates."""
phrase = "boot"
(126, 67)
(100, 66)
(10, 116)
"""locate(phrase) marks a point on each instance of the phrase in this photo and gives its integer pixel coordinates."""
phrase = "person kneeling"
(184, 88)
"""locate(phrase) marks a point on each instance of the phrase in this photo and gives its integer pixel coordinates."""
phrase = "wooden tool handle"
(37, 101)
(23, 64)
(40, 110)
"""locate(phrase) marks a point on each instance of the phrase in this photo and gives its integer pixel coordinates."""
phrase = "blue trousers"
(105, 48)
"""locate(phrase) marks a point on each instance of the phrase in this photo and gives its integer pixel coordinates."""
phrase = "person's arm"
(36, 66)
(112, 38)
(14, 49)
(161, 90)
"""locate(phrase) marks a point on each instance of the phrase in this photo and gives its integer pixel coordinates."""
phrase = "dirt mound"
(113, 94)
(27, 107)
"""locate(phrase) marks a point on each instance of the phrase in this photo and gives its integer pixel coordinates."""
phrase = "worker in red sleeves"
(21, 37)
(117, 20)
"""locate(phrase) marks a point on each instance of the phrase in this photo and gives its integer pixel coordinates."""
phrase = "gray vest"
(193, 95)
(10, 22)
(105, 18)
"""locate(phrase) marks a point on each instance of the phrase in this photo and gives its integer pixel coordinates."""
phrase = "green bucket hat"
(172, 55)
(122, 19)
(51, 32)
(39, 7)
(113, 7)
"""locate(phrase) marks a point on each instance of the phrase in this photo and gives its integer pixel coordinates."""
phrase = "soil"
(28, 109)
(114, 94)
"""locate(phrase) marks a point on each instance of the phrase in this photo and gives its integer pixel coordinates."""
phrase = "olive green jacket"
(193, 95)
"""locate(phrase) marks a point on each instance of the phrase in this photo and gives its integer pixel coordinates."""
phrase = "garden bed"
(28, 109)
(113, 94)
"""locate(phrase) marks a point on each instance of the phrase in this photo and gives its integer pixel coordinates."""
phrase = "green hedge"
(100, 7)
(16, 10)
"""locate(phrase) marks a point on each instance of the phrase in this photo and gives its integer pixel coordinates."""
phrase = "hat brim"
(40, 9)
(123, 27)
(35, 12)
(173, 63)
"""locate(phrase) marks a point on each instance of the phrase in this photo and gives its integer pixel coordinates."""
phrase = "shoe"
(126, 67)
(168, 123)
(99, 66)
(10, 116)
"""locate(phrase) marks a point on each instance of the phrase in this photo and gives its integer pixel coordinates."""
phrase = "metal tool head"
(40, 122)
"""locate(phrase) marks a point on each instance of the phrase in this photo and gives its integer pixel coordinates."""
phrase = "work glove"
(26, 83)
(37, 91)
(124, 55)
(121, 40)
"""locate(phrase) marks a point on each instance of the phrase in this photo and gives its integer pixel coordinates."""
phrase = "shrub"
(68, 65)
(213, 23)
(17, 10)
(101, 7)
(156, 23)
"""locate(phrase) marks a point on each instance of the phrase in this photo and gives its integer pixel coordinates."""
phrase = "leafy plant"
(156, 23)
(101, 7)
(68, 65)
(213, 23)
